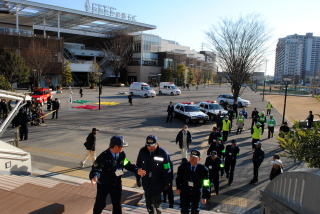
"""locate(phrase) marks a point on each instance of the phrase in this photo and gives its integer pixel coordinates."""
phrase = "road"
(57, 146)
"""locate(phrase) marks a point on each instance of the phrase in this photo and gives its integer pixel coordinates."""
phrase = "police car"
(190, 113)
(211, 108)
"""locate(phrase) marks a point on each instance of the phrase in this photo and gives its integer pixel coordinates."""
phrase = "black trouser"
(168, 192)
(229, 168)
(102, 193)
(268, 111)
(254, 121)
(262, 128)
(23, 131)
(215, 181)
(169, 117)
(190, 199)
(153, 202)
(225, 135)
(81, 95)
(255, 172)
(270, 131)
(55, 113)
(253, 142)
(239, 130)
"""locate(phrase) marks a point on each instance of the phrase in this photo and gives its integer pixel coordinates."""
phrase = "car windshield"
(173, 87)
(215, 107)
(38, 93)
(191, 108)
(146, 88)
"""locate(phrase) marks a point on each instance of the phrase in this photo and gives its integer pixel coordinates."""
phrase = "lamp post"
(264, 87)
(100, 90)
(286, 82)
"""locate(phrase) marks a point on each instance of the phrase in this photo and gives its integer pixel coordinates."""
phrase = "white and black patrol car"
(190, 112)
(212, 108)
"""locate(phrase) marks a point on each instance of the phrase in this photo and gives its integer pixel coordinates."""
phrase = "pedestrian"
(235, 109)
(271, 124)
(156, 162)
(231, 116)
(130, 99)
(170, 112)
(310, 120)
(226, 127)
(284, 129)
(23, 120)
(214, 135)
(213, 163)
(231, 153)
(254, 116)
(257, 159)
(262, 120)
(244, 113)
(81, 92)
(193, 184)
(256, 134)
(219, 119)
(4, 109)
(49, 104)
(107, 171)
(269, 108)
(277, 167)
(90, 145)
(240, 123)
(184, 139)
(169, 191)
(55, 108)
(188, 86)
(217, 146)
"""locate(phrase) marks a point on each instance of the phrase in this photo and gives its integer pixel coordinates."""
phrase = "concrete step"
(15, 203)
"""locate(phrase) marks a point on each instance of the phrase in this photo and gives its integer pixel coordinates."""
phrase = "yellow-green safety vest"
(240, 119)
(256, 132)
(271, 122)
(269, 106)
(226, 125)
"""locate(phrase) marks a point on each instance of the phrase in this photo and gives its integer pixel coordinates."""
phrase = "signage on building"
(105, 10)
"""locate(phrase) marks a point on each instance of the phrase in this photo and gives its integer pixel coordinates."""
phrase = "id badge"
(190, 183)
(119, 172)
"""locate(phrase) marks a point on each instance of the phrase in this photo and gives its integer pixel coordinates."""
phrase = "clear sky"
(186, 21)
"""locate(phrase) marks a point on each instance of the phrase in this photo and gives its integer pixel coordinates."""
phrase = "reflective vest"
(269, 106)
(256, 132)
(271, 122)
(262, 119)
(226, 125)
(240, 119)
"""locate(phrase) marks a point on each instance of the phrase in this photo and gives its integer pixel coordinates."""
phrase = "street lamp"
(264, 87)
(286, 82)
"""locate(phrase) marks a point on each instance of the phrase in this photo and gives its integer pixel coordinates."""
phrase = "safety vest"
(256, 132)
(272, 122)
(240, 119)
(226, 125)
(269, 106)
(262, 119)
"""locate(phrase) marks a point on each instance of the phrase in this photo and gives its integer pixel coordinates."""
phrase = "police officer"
(107, 171)
(192, 184)
(170, 112)
(232, 151)
(254, 116)
(271, 124)
(256, 133)
(156, 162)
(269, 108)
(213, 163)
(262, 120)
(257, 158)
(169, 191)
(214, 135)
(226, 127)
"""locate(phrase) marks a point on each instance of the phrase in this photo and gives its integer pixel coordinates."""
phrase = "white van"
(169, 88)
(141, 89)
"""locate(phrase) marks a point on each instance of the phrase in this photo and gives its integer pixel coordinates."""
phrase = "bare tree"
(118, 52)
(39, 57)
(240, 46)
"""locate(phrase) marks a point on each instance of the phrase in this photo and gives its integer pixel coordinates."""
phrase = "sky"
(187, 21)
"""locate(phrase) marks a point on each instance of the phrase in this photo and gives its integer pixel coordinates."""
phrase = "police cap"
(151, 140)
(195, 153)
(116, 141)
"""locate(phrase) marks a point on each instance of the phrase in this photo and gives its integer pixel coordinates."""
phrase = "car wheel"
(160, 92)
(172, 94)
(145, 95)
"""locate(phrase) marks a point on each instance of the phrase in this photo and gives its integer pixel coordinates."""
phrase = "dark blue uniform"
(230, 161)
(106, 169)
(193, 185)
(214, 166)
(157, 178)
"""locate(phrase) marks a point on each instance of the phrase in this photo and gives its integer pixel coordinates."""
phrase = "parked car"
(211, 108)
(41, 95)
(190, 113)
(141, 89)
(169, 88)
(228, 99)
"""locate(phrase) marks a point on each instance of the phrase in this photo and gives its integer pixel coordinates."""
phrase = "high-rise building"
(298, 58)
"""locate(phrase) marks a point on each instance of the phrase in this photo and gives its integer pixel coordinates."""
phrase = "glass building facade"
(146, 56)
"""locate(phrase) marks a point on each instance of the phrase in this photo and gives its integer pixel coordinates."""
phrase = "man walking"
(184, 139)
(254, 116)
(107, 171)
(156, 163)
(231, 154)
(262, 120)
(240, 123)
(269, 108)
(170, 112)
(55, 108)
(257, 158)
(310, 120)
(214, 135)
(193, 184)
(256, 134)
(213, 163)
(226, 127)
(81, 92)
(130, 99)
(271, 124)
(90, 145)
